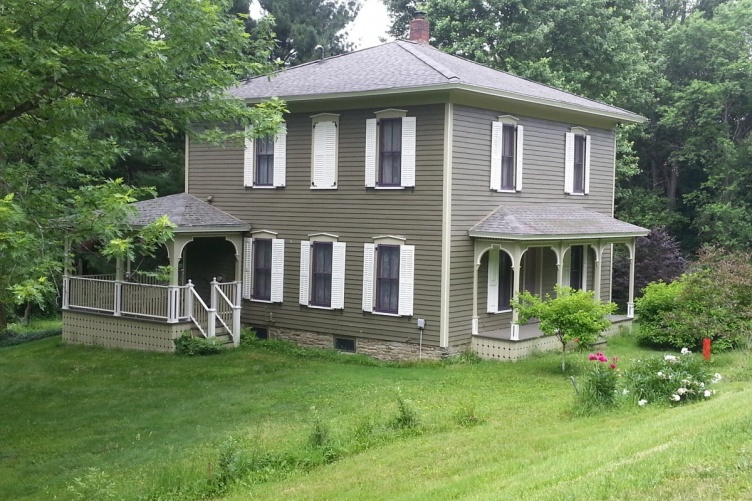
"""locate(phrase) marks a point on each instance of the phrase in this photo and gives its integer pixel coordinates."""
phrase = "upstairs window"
(577, 162)
(506, 154)
(265, 161)
(390, 150)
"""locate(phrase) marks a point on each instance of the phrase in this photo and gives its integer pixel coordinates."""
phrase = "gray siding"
(543, 184)
(352, 212)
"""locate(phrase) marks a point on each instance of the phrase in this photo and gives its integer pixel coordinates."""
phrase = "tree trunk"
(3, 316)
(27, 313)
(672, 185)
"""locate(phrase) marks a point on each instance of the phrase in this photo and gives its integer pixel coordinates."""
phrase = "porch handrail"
(201, 315)
(227, 310)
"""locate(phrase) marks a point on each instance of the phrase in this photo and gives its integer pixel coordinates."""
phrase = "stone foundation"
(383, 350)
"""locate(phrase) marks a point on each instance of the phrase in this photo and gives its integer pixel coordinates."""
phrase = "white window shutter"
(280, 157)
(587, 165)
(325, 155)
(278, 269)
(371, 127)
(496, 147)
(518, 159)
(567, 268)
(407, 277)
(248, 158)
(338, 275)
(369, 252)
(305, 265)
(569, 164)
(247, 267)
(493, 281)
(408, 152)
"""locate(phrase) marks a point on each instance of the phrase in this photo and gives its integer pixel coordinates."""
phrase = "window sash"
(506, 282)
(390, 152)
(264, 161)
(387, 278)
(575, 267)
(262, 269)
(508, 150)
(578, 173)
(321, 274)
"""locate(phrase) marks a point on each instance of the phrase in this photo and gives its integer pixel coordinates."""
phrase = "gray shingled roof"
(526, 223)
(187, 212)
(404, 65)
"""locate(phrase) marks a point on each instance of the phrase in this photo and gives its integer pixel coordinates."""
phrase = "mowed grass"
(78, 423)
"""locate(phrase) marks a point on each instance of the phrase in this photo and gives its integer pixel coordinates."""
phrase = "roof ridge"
(428, 60)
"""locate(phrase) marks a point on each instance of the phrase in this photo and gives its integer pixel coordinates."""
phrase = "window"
(344, 344)
(576, 267)
(500, 281)
(263, 267)
(265, 161)
(324, 155)
(388, 276)
(390, 150)
(506, 154)
(322, 272)
(577, 162)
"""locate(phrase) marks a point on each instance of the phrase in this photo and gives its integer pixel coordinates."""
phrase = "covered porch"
(201, 291)
(533, 249)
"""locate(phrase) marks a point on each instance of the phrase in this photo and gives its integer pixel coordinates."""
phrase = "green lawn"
(85, 423)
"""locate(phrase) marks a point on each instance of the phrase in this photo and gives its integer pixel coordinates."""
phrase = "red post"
(706, 349)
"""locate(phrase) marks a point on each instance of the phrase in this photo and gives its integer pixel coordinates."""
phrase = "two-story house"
(408, 197)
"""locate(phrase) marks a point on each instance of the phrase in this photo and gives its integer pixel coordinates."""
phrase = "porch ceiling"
(552, 223)
(190, 214)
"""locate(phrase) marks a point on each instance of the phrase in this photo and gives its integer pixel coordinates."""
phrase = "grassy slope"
(150, 421)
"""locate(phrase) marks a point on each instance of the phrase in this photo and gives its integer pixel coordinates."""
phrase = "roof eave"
(625, 117)
(240, 228)
(562, 236)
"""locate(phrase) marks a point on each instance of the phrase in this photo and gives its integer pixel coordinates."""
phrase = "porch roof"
(552, 223)
(188, 213)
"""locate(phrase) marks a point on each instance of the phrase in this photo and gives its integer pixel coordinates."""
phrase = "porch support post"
(597, 270)
(66, 274)
(630, 303)
(476, 265)
(119, 275)
(516, 261)
(559, 251)
(213, 308)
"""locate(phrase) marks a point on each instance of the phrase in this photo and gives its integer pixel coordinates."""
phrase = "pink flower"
(599, 354)
(613, 366)
(591, 357)
(615, 359)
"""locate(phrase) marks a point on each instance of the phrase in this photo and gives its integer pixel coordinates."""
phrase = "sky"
(371, 23)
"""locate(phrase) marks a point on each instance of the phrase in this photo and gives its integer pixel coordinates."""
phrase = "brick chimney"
(419, 28)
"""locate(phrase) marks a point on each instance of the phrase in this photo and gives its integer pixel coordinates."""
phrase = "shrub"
(599, 386)
(674, 379)
(407, 417)
(467, 415)
(658, 310)
(12, 338)
(195, 346)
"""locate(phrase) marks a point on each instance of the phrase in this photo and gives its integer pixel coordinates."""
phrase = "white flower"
(707, 393)
(642, 402)
(685, 351)
(660, 374)
(669, 358)
(716, 377)
(675, 397)
(702, 385)
(681, 391)
(625, 391)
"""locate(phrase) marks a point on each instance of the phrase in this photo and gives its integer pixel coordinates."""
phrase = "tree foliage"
(301, 25)
(83, 83)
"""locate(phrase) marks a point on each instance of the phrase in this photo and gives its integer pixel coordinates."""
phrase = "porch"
(137, 310)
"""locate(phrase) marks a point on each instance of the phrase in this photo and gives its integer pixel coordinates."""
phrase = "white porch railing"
(166, 303)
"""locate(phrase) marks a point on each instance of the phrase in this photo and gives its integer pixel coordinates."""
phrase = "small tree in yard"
(571, 315)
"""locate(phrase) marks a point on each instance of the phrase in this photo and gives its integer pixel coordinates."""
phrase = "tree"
(301, 25)
(571, 315)
(84, 83)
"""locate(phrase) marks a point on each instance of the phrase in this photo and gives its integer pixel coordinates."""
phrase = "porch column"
(66, 274)
(119, 276)
(559, 251)
(597, 271)
(474, 328)
(516, 261)
(174, 252)
(630, 303)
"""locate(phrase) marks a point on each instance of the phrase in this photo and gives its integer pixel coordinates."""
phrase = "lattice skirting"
(120, 332)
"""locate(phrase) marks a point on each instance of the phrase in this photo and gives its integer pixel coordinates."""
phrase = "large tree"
(301, 25)
(85, 82)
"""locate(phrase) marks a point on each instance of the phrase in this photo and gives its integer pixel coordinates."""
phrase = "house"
(409, 195)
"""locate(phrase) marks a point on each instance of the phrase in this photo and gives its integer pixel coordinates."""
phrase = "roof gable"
(187, 212)
(410, 66)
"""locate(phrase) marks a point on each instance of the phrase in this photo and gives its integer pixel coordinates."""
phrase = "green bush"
(599, 385)
(195, 346)
(674, 379)
(12, 338)
(660, 311)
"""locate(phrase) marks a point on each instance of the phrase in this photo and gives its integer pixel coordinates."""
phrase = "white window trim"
(569, 162)
(496, 164)
(337, 247)
(370, 278)
(372, 150)
(321, 118)
(279, 173)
